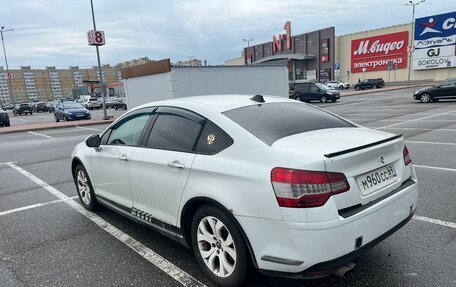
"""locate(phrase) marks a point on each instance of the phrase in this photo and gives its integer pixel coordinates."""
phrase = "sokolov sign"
(435, 42)
(373, 53)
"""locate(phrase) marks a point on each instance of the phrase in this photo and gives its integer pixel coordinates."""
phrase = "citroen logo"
(381, 160)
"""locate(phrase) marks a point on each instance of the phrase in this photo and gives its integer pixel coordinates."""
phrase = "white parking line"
(37, 134)
(435, 167)
(435, 221)
(422, 118)
(437, 143)
(90, 129)
(172, 270)
(35, 205)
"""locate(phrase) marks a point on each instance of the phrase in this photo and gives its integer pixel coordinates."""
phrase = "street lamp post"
(105, 116)
(412, 36)
(248, 41)
(6, 63)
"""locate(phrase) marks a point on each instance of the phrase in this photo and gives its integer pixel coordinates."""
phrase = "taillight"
(407, 159)
(304, 188)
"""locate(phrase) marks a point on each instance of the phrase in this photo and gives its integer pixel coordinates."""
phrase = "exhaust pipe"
(340, 272)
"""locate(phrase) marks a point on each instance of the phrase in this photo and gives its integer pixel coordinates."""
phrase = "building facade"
(52, 83)
(308, 56)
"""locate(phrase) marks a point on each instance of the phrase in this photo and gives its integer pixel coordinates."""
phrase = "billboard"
(435, 42)
(374, 53)
(324, 50)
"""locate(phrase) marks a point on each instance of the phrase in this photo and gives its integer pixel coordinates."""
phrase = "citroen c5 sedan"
(281, 185)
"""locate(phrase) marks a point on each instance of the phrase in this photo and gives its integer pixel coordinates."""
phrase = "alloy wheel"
(425, 98)
(83, 187)
(216, 246)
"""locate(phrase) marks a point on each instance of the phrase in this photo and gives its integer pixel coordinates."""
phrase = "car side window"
(128, 131)
(446, 84)
(213, 140)
(314, 89)
(174, 132)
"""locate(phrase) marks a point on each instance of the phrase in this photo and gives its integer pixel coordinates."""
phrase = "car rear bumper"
(303, 250)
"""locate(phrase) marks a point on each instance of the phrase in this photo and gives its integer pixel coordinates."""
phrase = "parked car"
(307, 92)
(290, 187)
(338, 85)
(23, 108)
(370, 84)
(92, 103)
(4, 119)
(110, 101)
(67, 111)
(445, 90)
(120, 105)
(39, 107)
(51, 105)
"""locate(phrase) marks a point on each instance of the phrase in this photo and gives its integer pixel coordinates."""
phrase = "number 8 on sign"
(95, 38)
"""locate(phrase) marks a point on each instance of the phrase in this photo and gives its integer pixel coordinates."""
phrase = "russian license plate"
(376, 179)
(79, 116)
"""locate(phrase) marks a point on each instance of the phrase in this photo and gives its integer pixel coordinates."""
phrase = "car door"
(58, 111)
(110, 163)
(445, 90)
(160, 171)
(315, 92)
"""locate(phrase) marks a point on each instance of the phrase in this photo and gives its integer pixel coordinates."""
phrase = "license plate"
(376, 179)
(79, 116)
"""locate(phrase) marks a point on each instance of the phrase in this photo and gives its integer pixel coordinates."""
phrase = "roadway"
(46, 239)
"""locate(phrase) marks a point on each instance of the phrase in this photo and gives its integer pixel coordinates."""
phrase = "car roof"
(220, 103)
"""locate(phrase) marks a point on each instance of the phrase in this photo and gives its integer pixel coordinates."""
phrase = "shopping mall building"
(392, 53)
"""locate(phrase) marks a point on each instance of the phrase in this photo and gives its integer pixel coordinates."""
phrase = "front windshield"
(71, 105)
(322, 87)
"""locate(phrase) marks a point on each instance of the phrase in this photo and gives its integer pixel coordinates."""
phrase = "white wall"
(141, 90)
(194, 81)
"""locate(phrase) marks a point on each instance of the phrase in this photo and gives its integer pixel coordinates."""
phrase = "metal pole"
(105, 116)
(412, 44)
(7, 68)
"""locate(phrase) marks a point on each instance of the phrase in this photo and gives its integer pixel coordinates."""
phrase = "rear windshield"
(272, 121)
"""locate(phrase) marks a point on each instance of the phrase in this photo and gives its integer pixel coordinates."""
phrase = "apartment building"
(51, 83)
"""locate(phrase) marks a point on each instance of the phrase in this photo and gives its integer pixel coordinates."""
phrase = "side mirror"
(93, 140)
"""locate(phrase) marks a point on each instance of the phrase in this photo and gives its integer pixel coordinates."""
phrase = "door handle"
(176, 164)
(123, 157)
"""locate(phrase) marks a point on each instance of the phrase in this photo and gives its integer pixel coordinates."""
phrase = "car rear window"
(272, 121)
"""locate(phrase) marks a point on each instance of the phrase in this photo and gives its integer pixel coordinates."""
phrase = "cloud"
(53, 32)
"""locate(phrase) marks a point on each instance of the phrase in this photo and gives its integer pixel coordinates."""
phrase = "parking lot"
(48, 239)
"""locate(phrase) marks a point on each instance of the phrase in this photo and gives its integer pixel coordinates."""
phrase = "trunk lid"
(358, 153)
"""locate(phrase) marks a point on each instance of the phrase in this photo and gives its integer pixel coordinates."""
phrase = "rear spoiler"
(337, 153)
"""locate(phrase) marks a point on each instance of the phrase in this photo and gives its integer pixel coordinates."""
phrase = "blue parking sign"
(336, 66)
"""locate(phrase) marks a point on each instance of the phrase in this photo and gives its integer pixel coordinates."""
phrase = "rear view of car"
(22, 109)
(292, 188)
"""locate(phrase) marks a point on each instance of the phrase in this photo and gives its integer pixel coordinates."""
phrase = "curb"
(45, 126)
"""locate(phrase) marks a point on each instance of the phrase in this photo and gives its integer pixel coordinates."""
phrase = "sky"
(53, 32)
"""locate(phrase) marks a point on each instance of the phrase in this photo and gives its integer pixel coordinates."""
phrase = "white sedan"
(282, 185)
(338, 85)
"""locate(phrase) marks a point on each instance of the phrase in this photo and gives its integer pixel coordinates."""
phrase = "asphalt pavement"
(46, 239)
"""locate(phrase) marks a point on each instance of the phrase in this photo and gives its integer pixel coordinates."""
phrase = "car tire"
(298, 98)
(84, 188)
(125, 107)
(215, 249)
(31, 113)
(341, 87)
(115, 108)
(56, 119)
(14, 113)
(374, 87)
(357, 88)
(323, 99)
(425, 98)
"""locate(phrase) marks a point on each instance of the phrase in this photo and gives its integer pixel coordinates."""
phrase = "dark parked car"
(307, 92)
(23, 108)
(370, 84)
(445, 90)
(39, 107)
(67, 111)
(4, 119)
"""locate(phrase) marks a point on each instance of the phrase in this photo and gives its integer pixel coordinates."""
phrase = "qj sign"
(435, 42)
(374, 53)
